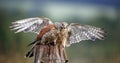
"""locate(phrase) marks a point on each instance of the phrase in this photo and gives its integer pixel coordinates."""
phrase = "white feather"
(30, 24)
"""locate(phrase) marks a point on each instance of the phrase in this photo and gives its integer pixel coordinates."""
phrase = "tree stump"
(49, 54)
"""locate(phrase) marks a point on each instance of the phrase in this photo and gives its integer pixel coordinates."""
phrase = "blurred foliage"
(13, 46)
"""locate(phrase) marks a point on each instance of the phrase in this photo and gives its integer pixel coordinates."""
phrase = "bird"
(56, 33)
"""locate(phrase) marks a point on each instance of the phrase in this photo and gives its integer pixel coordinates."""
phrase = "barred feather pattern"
(30, 24)
(80, 32)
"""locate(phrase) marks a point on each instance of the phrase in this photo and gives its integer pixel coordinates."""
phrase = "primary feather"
(30, 24)
(80, 32)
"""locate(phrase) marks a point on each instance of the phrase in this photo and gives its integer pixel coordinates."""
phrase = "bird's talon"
(66, 61)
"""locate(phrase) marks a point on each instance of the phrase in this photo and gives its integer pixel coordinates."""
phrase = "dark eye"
(62, 24)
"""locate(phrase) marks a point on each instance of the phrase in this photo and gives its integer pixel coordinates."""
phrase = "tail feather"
(29, 53)
(32, 43)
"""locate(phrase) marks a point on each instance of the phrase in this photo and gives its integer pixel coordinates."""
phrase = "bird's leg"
(61, 53)
(65, 56)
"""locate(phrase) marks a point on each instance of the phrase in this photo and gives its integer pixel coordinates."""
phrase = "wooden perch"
(49, 54)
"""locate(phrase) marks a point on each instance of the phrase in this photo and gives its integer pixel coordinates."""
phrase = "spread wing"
(30, 24)
(80, 32)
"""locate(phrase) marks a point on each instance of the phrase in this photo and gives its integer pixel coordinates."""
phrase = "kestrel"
(58, 33)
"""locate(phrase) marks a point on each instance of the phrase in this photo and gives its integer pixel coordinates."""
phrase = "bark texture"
(49, 54)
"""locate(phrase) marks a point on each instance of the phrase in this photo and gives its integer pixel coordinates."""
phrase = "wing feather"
(30, 24)
(80, 32)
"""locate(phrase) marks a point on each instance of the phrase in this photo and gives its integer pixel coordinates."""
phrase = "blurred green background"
(100, 14)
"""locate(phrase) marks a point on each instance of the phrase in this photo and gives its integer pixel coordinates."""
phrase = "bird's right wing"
(30, 24)
(80, 32)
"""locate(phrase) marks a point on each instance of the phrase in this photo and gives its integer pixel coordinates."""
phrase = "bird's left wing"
(78, 32)
(30, 24)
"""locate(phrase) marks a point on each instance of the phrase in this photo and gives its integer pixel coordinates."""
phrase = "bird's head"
(58, 25)
(61, 25)
(64, 24)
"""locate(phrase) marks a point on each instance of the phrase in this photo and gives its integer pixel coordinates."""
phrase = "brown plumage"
(45, 30)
